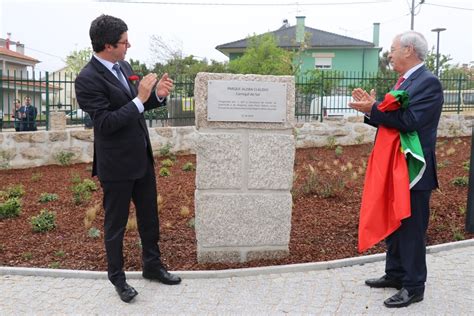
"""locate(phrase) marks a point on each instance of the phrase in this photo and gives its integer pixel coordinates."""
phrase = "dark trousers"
(117, 197)
(406, 247)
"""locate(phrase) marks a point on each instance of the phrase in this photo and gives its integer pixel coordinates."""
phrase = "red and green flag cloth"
(395, 165)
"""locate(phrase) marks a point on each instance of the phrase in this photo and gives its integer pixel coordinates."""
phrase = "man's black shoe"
(126, 292)
(384, 281)
(402, 299)
(161, 275)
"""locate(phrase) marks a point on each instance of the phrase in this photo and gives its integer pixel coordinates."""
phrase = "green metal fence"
(317, 97)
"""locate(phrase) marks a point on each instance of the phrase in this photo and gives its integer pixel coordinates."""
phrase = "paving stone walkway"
(333, 291)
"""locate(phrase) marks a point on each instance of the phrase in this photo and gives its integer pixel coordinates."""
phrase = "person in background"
(405, 267)
(30, 113)
(123, 157)
(18, 114)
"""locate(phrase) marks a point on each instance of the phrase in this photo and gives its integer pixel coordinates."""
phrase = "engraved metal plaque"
(246, 101)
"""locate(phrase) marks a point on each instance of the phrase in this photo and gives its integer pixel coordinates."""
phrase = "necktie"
(399, 82)
(120, 76)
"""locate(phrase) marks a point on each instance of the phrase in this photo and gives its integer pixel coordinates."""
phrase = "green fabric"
(411, 145)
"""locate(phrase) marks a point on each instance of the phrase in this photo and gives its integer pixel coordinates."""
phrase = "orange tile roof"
(11, 53)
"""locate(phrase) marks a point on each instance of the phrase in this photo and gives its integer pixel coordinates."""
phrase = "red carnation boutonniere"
(133, 79)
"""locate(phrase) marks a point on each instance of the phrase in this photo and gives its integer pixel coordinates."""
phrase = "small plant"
(81, 191)
(165, 150)
(48, 197)
(10, 208)
(27, 256)
(15, 191)
(93, 232)
(54, 265)
(36, 176)
(460, 181)
(450, 151)
(5, 158)
(60, 253)
(131, 223)
(184, 211)
(167, 163)
(443, 164)
(360, 139)
(462, 210)
(43, 222)
(338, 151)
(466, 165)
(457, 234)
(64, 158)
(191, 223)
(164, 172)
(188, 166)
(331, 142)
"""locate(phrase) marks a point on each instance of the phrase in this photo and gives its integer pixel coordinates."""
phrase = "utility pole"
(412, 13)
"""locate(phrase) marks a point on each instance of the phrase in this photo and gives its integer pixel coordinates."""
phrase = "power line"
(243, 4)
(448, 6)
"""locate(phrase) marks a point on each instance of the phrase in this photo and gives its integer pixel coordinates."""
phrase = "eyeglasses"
(126, 43)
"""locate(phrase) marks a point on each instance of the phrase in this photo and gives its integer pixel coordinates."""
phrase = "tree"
(430, 61)
(77, 59)
(138, 68)
(263, 57)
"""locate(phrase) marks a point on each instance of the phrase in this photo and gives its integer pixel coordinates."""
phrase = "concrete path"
(328, 288)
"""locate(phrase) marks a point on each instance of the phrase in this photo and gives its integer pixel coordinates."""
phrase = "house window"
(323, 62)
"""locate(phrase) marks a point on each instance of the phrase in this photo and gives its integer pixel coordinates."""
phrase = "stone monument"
(245, 155)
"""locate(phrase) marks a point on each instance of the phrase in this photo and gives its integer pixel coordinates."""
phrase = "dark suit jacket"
(424, 110)
(121, 140)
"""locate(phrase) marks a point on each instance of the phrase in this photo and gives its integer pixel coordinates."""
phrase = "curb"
(207, 274)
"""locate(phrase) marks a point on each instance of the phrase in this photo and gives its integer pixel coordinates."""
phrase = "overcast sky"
(51, 29)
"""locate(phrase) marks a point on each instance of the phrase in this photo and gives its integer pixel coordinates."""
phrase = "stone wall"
(30, 149)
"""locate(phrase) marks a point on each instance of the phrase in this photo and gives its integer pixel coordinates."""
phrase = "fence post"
(321, 93)
(470, 194)
(47, 100)
(459, 93)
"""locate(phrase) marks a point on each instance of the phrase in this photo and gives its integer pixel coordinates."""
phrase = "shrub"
(27, 255)
(165, 150)
(36, 176)
(60, 253)
(43, 222)
(164, 172)
(15, 191)
(93, 232)
(82, 191)
(338, 151)
(167, 163)
(466, 165)
(331, 142)
(460, 181)
(54, 265)
(48, 197)
(64, 158)
(188, 166)
(10, 208)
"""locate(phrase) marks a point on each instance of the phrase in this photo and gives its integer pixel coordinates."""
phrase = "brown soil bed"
(323, 228)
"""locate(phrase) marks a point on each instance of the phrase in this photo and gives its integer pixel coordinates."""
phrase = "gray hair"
(417, 40)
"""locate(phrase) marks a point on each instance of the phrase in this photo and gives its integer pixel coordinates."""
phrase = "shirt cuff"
(159, 98)
(139, 105)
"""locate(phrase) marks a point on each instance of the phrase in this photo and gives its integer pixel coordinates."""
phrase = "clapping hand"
(363, 101)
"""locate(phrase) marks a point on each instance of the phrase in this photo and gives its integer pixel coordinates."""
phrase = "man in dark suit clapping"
(405, 267)
(123, 159)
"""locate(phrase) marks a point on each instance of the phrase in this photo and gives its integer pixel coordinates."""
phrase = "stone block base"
(240, 254)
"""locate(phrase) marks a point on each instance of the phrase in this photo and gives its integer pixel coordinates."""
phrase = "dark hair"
(106, 29)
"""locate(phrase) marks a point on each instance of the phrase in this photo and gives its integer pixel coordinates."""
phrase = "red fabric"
(399, 82)
(386, 195)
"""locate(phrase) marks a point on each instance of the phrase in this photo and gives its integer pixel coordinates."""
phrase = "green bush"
(48, 197)
(81, 191)
(188, 166)
(43, 222)
(338, 151)
(15, 191)
(93, 232)
(10, 208)
(165, 150)
(167, 163)
(164, 172)
(460, 181)
(64, 158)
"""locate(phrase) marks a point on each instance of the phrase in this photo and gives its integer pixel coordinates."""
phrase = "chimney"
(7, 42)
(376, 34)
(20, 48)
(300, 29)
